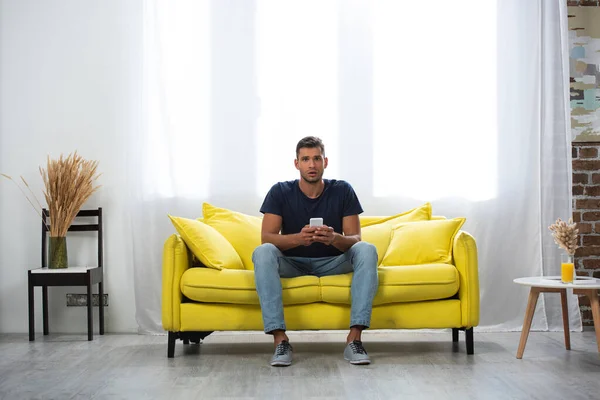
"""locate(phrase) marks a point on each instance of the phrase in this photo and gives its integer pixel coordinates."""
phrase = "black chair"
(83, 276)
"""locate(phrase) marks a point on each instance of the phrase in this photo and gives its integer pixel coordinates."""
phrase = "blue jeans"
(270, 265)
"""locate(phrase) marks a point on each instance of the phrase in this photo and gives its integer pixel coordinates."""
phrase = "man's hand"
(306, 235)
(324, 234)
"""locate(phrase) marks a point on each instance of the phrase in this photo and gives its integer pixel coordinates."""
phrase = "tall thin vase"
(57, 253)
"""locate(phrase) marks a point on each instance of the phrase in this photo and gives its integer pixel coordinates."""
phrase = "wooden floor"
(406, 365)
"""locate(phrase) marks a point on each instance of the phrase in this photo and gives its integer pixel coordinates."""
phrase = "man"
(291, 248)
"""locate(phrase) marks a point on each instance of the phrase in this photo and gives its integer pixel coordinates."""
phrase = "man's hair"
(310, 142)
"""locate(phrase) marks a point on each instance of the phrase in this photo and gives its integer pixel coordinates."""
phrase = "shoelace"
(282, 348)
(357, 347)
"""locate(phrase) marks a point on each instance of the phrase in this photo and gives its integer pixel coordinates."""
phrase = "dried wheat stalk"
(69, 183)
(39, 212)
(565, 235)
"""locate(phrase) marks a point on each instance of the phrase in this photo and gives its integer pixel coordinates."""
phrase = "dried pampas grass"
(565, 235)
(69, 183)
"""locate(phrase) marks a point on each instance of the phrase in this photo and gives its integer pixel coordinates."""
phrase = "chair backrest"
(75, 228)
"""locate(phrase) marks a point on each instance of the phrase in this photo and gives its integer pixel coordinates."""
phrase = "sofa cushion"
(378, 235)
(398, 284)
(207, 244)
(237, 286)
(378, 231)
(241, 230)
(421, 213)
(423, 242)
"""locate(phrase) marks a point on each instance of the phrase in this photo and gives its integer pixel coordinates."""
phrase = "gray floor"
(406, 365)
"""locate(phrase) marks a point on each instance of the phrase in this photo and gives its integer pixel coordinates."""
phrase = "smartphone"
(314, 222)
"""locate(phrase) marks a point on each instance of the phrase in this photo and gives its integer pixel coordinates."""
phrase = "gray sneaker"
(356, 353)
(283, 355)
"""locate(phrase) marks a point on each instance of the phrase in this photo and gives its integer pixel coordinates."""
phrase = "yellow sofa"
(197, 300)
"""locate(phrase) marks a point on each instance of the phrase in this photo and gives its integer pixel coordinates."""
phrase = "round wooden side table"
(552, 284)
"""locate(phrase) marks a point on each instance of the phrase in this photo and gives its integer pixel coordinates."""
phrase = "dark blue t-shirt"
(337, 201)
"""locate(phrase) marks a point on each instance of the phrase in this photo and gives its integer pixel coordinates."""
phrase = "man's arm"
(351, 236)
(271, 226)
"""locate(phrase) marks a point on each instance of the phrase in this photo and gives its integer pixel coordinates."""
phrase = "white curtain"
(461, 104)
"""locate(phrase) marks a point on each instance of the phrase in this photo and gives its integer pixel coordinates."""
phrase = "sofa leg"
(469, 337)
(197, 337)
(454, 335)
(171, 345)
(186, 337)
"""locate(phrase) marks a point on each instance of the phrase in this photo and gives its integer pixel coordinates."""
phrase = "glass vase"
(567, 268)
(57, 253)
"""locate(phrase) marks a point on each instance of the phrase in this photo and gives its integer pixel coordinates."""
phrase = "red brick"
(584, 301)
(586, 165)
(588, 152)
(587, 251)
(577, 190)
(577, 216)
(585, 227)
(580, 178)
(573, 3)
(574, 153)
(589, 216)
(592, 191)
(587, 204)
(591, 263)
(588, 3)
(589, 240)
(586, 315)
(582, 273)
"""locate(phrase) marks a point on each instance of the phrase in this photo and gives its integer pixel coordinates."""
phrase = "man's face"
(311, 164)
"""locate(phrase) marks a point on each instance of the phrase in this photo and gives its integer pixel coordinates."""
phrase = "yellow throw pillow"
(421, 213)
(422, 242)
(378, 231)
(207, 244)
(241, 230)
(378, 235)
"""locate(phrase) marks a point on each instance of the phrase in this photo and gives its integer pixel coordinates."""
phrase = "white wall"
(69, 78)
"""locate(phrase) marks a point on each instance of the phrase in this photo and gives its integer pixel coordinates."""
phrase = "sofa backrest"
(397, 241)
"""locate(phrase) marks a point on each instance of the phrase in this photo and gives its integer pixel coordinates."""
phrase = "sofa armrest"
(175, 262)
(464, 250)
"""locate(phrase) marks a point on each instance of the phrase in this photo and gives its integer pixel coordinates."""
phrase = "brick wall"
(586, 204)
(586, 212)
(583, 3)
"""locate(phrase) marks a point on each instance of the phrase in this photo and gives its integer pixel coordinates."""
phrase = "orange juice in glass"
(567, 268)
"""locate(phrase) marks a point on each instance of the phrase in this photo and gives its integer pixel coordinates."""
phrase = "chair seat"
(396, 284)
